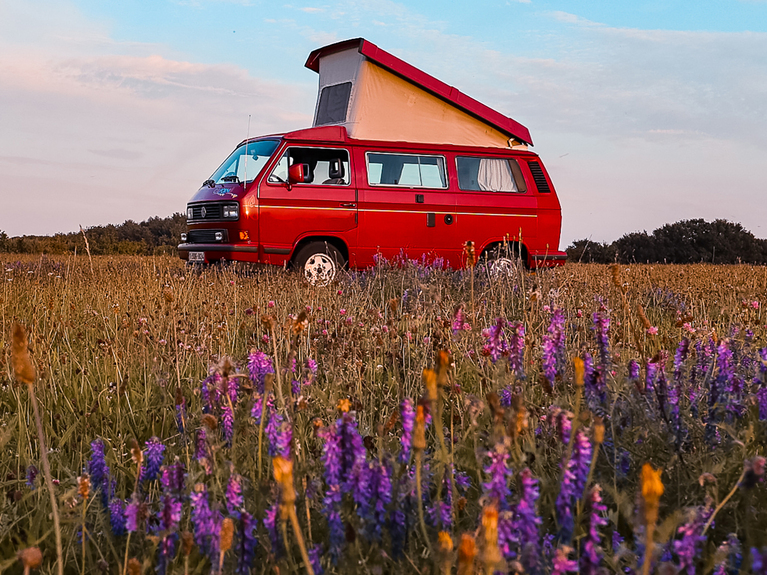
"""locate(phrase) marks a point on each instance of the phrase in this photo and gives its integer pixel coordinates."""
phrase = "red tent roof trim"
(426, 82)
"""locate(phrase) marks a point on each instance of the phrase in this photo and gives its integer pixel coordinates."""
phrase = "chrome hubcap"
(501, 267)
(320, 269)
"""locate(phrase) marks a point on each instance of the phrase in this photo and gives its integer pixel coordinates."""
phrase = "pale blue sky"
(644, 112)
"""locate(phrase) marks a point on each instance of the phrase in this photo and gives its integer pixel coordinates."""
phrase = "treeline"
(684, 242)
(153, 236)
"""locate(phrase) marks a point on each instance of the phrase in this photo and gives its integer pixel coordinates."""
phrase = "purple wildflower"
(331, 505)
(732, 557)
(315, 558)
(506, 536)
(32, 473)
(527, 522)
(166, 551)
(202, 451)
(295, 387)
(761, 400)
(172, 478)
(400, 519)
(133, 514)
(255, 412)
(561, 419)
(575, 473)
(153, 456)
(311, 365)
(170, 512)
(517, 350)
(554, 346)
(247, 543)
(688, 548)
(561, 563)
(633, 370)
(270, 523)
(680, 356)
(259, 364)
(373, 512)
(495, 344)
(99, 471)
(601, 331)
(280, 434)
(408, 423)
(117, 517)
(204, 521)
(497, 488)
(458, 320)
(181, 417)
(227, 424)
(234, 499)
(592, 548)
(759, 561)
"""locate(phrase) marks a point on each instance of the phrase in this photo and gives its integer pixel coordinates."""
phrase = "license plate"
(198, 257)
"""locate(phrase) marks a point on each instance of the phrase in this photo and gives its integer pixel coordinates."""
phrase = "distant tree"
(636, 247)
(3, 241)
(587, 251)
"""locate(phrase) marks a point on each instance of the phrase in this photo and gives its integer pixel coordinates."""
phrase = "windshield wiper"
(209, 183)
(232, 178)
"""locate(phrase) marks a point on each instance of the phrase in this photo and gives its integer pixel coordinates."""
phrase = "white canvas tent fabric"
(384, 106)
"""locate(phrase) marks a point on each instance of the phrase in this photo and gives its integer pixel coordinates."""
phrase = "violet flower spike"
(234, 499)
(259, 364)
(408, 424)
(247, 543)
(592, 554)
(98, 470)
(497, 488)
(153, 457)
(517, 350)
(117, 517)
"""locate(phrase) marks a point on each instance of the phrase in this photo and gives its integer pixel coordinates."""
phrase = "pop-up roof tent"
(377, 96)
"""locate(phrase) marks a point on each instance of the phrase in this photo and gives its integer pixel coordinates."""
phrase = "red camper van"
(396, 162)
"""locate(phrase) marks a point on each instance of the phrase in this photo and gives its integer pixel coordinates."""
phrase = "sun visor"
(376, 96)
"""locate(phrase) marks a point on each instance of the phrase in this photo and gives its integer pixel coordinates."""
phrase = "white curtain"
(495, 176)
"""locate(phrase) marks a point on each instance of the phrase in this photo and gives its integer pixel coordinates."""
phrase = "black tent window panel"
(334, 102)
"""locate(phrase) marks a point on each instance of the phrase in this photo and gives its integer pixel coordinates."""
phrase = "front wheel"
(319, 262)
(503, 261)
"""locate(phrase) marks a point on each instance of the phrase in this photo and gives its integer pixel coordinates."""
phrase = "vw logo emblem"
(203, 212)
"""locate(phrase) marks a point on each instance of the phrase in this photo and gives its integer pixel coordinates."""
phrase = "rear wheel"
(319, 262)
(503, 260)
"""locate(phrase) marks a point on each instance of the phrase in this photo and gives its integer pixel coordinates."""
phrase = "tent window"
(334, 102)
(409, 171)
(490, 175)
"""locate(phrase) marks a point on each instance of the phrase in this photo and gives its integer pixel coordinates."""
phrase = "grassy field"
(404, 419)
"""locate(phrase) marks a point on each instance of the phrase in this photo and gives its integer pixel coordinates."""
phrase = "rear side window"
(406, 170)
(477, 174)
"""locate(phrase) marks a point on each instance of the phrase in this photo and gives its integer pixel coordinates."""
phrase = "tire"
(319, 263)
(503, 261)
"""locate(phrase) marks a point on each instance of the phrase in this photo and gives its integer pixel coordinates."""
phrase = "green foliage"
(684, 242)
(151, 237)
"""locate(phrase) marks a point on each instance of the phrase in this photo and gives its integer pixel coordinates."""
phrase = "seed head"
(599, 431)
(227, 534)
(344, 405)
(419, 435)
(134, 567)
(652, 489)
(471, 254)
(445, 542)
(84, 486)
(467, 550)
(579, 371)
(31, 557)
(187, 540)
(22, 364)
(430, 383)
(283, 474)
(210, 421)
(135, 451)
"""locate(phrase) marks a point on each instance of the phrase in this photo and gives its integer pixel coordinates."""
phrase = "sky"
(645, 113)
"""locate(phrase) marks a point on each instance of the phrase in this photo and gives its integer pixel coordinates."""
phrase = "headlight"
(183, 237)
(189, 214)
(219, 236)
(232, 211)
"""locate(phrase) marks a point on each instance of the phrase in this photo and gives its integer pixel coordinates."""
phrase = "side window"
(327, 167)
(490, 175)
(334, 102)
(411, 171)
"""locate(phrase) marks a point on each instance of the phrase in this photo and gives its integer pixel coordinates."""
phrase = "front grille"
(205, 236)
(539, 177)
(213, 211)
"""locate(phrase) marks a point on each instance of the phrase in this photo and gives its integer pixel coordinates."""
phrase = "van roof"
(426, 82)
(339, 135)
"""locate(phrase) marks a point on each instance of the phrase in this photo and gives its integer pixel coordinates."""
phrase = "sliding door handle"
(348, 205)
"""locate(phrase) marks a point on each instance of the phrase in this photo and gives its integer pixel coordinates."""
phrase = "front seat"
(335, 172)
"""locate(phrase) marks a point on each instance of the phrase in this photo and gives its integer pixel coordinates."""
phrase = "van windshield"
(244, 164)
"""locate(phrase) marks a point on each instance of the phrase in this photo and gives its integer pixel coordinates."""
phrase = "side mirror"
(298, 173)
